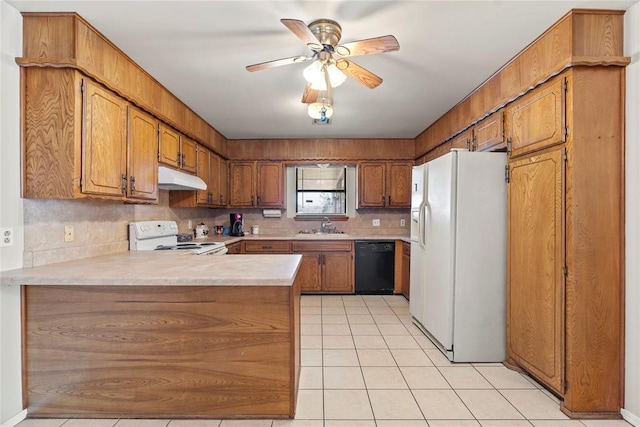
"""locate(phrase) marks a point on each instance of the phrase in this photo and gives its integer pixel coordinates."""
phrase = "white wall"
(10, 210)
(632, 360)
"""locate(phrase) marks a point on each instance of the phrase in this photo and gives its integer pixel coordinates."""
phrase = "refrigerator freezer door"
(416, 271)
(439, 235)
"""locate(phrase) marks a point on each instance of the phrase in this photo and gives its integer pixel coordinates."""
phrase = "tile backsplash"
(101, 227)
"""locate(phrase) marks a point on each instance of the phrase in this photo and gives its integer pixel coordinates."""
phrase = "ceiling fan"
(330, 66)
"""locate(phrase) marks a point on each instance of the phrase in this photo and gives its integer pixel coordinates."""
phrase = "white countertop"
(162, 268)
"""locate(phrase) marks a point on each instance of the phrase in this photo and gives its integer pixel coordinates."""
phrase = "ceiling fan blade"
(358, 73)
(309, 95)
(303, 32)
(369, 46)
(276, 63)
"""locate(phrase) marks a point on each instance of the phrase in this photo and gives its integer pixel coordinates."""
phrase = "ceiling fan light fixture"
(320, 110)
(314, 74)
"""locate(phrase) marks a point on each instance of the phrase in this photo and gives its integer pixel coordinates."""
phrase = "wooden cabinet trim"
(267, 246)
(325, 246)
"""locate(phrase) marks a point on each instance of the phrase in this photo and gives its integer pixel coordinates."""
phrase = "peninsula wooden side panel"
(161, 352)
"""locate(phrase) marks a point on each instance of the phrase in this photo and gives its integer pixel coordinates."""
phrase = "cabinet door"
(463, 140)
(270, 185)
(224, 183)
(371, 185)
(214, 179)
(535, 259)
(309, 273)
(337, 269)
(169, 149)
(104, 142)
(537, 120)
(406, 262)
(399, 185)
(439, 151)
(188, 151)
(488, 135)
(241, 190)
(142, 159)
(234, 248)
(203, 170)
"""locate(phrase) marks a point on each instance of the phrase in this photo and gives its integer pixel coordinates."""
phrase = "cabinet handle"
(474, 145)
(179, 159)
(252, 202)
(183, 161)
(258, 200)
(468, 144)
(123, 183)
(383, 198)
(389, 201)
(132, 184)
(221, 200)
(267, 247)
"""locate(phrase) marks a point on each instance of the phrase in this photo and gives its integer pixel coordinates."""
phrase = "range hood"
(172, 179)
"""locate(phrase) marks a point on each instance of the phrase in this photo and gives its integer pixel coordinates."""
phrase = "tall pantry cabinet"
(565, 240)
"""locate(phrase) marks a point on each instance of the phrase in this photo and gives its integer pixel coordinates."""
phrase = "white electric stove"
(163, 236)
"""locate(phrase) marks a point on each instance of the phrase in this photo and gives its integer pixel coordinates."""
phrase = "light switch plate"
(376, 223)
(402, 223)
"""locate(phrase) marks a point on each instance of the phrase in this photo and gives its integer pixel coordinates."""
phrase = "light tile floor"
(364, 364)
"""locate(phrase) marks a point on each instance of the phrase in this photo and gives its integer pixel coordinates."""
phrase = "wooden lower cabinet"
(234, 248)
(267, 247)
(326, 267)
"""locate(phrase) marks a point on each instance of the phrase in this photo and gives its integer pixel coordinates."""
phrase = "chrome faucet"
(325, 224)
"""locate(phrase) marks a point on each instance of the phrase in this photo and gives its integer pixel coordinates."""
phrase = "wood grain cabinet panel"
(537, 120)
(82, 140)
(267, 246)
(104, 142)
(535, 208)
(256, 184)
(169, 149)
(405, 268)
(224, 183)
(142, 159)
(203, 171)
(463, 140)
(384, 184)
(565, 256)
(488, 134)
(188, 150)
(327, 266)
(208, 168)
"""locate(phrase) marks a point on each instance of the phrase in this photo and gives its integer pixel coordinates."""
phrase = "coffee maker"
(236, 224)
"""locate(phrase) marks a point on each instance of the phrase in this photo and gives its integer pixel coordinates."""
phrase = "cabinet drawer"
(234, 248)
(537, 120)
(267, 246)
(325, 246)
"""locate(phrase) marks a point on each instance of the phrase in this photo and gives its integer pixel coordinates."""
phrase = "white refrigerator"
(458, 254)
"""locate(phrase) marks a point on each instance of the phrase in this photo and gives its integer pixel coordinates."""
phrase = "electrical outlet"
(402, 223)
(7, 237)
(68, 233)
(376, 223)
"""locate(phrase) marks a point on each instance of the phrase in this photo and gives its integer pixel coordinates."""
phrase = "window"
(321, 190)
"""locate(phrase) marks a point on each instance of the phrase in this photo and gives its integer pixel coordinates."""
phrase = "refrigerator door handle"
(422, 226)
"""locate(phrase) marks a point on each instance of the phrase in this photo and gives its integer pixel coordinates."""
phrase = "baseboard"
(630, 418)
(15, 419)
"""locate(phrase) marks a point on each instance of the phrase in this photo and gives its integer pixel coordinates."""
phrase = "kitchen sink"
(306, 234)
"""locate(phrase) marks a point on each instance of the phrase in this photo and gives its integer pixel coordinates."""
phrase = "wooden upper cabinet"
(399, 185)
(188, 152)
(371, 185)
(537, 120)
(203, 171)
(169, 148)
(462, 140)
(142, 159)
(257, 184)
(214, 179)
(535, 244)
(384, 184)
(270, 185)
(242, 184)
(224, 183)
(177, 150)
(488, 134)
(104, 142)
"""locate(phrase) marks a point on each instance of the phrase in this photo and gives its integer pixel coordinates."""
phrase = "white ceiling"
(198, 50)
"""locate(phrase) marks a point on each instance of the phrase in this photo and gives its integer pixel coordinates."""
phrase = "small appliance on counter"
(236, 221)
(201, 231)
(163, 236)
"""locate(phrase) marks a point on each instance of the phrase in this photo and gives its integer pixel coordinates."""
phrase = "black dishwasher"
(375, 267)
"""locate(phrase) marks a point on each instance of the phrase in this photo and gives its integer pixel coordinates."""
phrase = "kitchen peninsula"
(159, 335)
